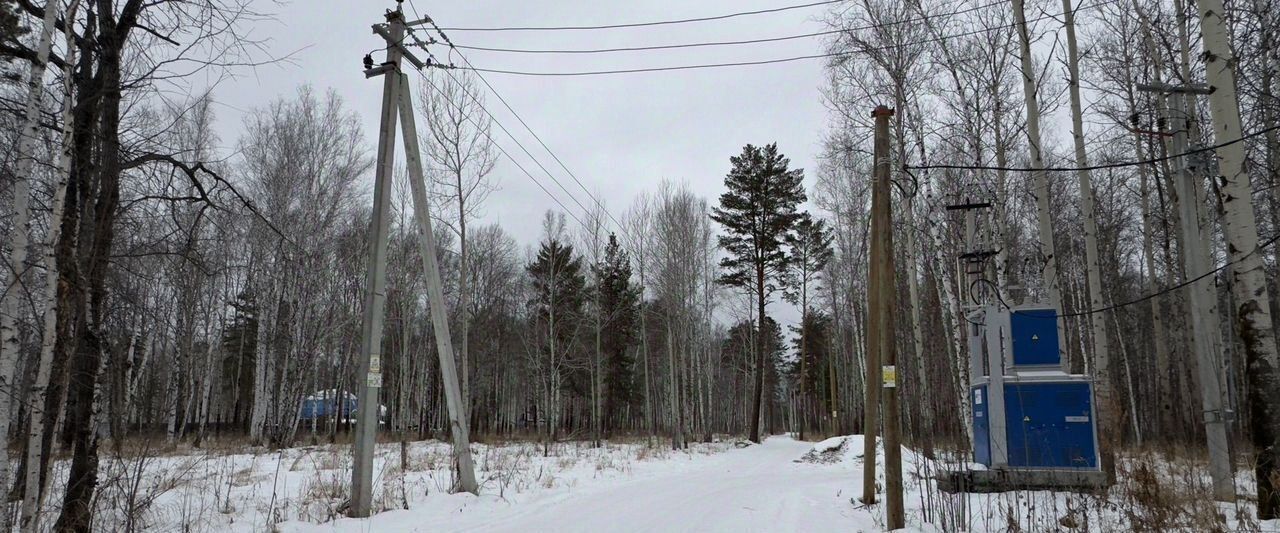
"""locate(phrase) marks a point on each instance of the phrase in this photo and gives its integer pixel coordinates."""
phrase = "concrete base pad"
(1022, 479)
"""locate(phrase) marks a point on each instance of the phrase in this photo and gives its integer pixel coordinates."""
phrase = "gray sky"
(620, 134)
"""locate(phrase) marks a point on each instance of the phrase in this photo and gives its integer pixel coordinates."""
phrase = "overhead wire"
(501, 126)
(647, 24)
(556, 199)
(621, 229)
(776, 60)
(726, 43)
(1104, 166)
(1265, 244)
(563, 166)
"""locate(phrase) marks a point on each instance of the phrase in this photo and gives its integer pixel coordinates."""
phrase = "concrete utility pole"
(1201, 296)
(459, 426)
(396, 104)
(882, 282)
(375, 288)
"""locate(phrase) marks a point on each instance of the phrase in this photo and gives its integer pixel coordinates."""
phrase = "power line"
(655, 69)
(537, 137)
(1095, 167)
(621, 229)
(651, 23)
(643, 48)
(480, 104)
(778, 60)
(504, 152)
(477, 101)
(1166, 290)
(726, 43)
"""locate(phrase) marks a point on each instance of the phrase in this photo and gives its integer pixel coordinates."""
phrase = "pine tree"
(810, 251)
(619, 309)
(758, 213)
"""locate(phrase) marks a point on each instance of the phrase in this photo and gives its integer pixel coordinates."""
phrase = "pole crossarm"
(398, 42)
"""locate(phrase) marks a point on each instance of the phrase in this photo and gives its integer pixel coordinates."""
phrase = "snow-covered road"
(758, 488)
(719, 487)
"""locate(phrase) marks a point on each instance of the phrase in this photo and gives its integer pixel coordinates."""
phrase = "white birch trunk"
(1249, 281)
(11, 302)
(31, 494)
(1040, 180)
(258, 414)
(1104, 392)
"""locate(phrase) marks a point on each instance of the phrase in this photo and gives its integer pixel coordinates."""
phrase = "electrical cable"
(772, 61)
(621, 229)
(537, 137)
(1101, 166)
(504, 129)
(1169, 289)
(726, 43)
(480, 104)
(651, 23)
(646, 48)
(504, 152)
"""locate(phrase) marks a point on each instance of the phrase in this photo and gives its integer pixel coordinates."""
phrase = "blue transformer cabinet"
(1033, 423)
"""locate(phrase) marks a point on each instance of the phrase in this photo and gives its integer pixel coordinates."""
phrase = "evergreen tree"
(775, 350)
(619, 309)
(758, 212)
(813, 350)
(559, 288)
(738, 352)
(810, 252)
(240, 348)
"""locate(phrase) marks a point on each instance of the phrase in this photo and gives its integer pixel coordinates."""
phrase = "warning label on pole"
(890, 376)
(374, 380)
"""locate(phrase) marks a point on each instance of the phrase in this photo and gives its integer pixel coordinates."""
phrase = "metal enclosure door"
(1035, 337)
(981, 425)
(1050, 425)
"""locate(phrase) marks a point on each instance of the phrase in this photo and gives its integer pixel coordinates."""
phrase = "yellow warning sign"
(889, 373)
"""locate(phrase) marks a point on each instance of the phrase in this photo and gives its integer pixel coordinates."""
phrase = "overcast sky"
(620, 134)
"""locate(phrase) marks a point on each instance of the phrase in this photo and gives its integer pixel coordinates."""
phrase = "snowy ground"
(781, 485)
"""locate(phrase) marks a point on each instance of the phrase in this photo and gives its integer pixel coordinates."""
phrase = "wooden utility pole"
(880, 290)
(871, 392)
(1240, 228)
(397, 104)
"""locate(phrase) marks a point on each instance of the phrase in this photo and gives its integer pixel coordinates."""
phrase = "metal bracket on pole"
(1194, 88)
(381, 29)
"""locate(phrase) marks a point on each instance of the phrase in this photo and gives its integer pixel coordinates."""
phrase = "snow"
(779, 485)
(829, 444)
(757, 488)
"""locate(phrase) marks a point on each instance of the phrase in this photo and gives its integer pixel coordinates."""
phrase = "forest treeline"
(168, 285)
